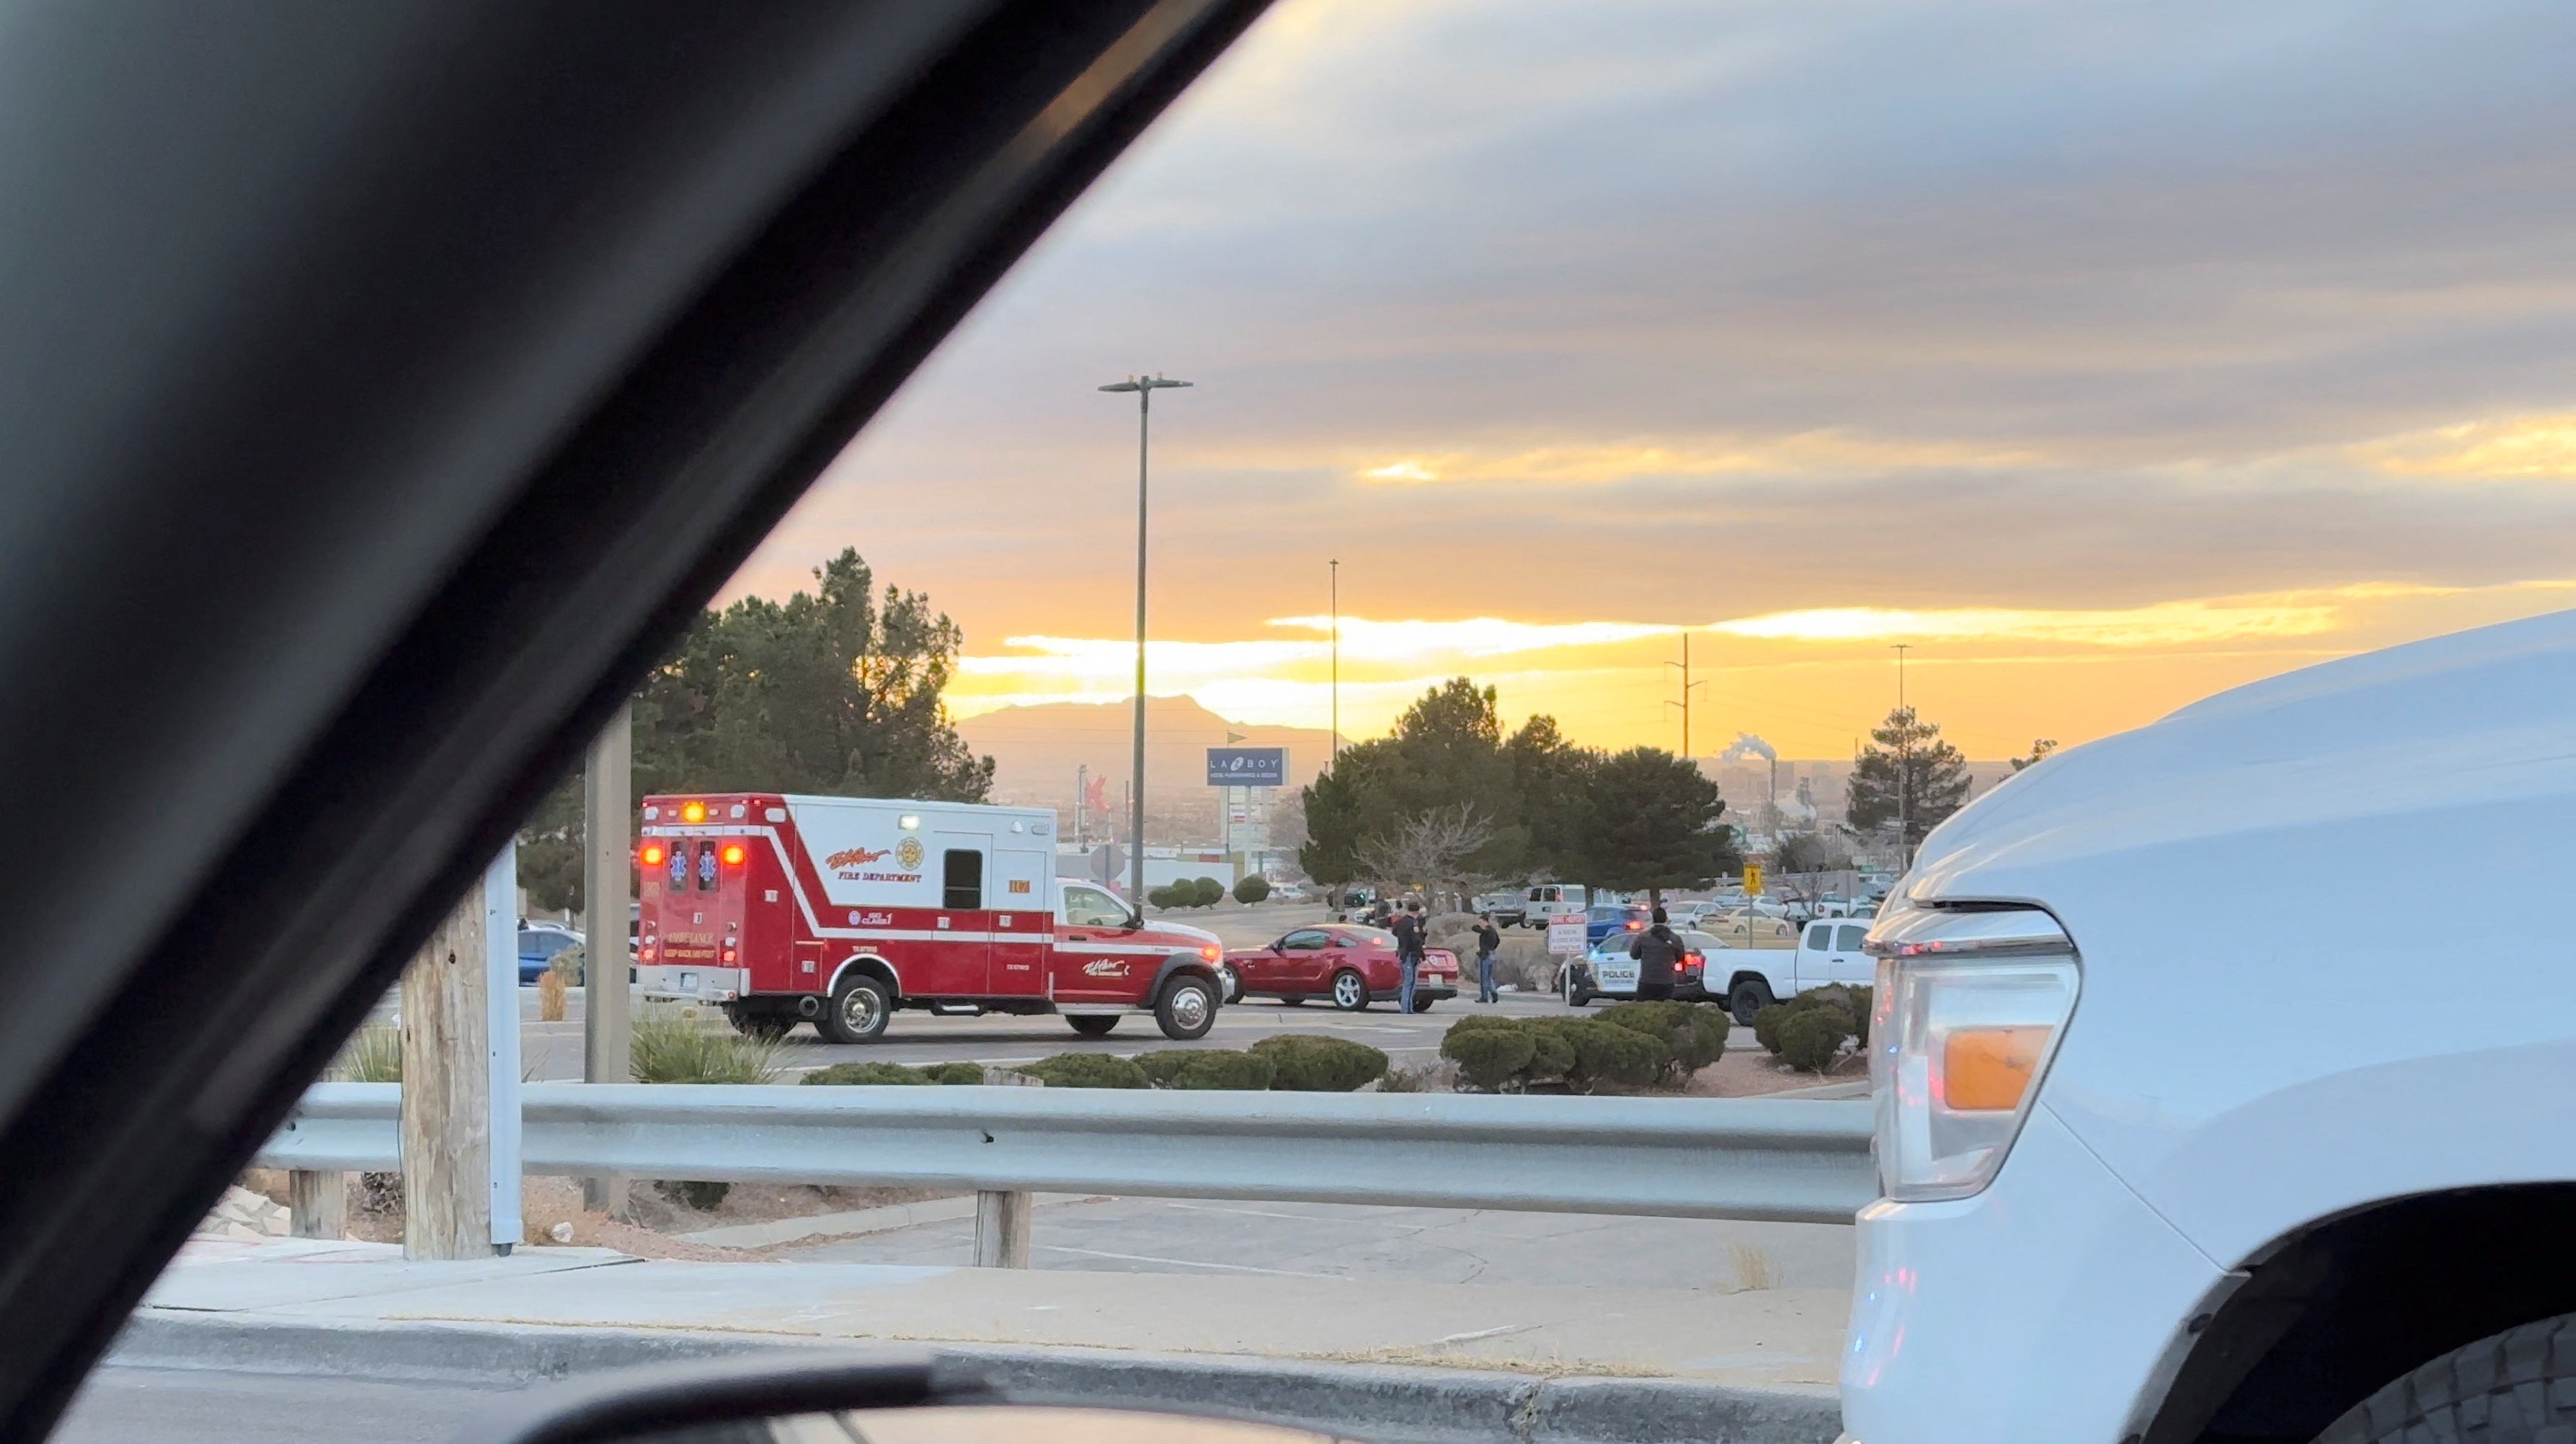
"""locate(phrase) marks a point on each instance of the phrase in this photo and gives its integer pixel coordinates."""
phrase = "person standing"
(1408, 954)
(1488, 938)
(1659, 960)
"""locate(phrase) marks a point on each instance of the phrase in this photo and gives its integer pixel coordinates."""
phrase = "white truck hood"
(2374, 750)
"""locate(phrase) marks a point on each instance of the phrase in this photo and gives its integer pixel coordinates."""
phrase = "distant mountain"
(1036, 750)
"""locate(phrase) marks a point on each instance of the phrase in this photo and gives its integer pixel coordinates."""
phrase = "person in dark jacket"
(1488, 938)
(1659, 960)
(1408, 953)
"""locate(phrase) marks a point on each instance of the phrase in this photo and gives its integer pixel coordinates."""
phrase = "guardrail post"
(317, 1204)
(1001, 1230)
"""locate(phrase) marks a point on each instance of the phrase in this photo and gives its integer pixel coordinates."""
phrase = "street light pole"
(1334, 743)
(1144, 387)
(1904, 758)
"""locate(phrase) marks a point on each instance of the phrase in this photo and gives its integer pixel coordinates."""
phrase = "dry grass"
(372, 1055)
(677, 1045)
(1753, 1266)
(550, 997)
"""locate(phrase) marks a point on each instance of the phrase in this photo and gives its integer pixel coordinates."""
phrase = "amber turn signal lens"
(693, 812)
(733, 854)
(652, 854)
(1988, 1069)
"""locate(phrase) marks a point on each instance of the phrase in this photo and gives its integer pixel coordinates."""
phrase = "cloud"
(2167, 625)
(1472, 637)
(2532, 447)
(1809, 454)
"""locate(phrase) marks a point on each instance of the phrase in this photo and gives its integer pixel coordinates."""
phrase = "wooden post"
(446, 1092)
(1001, 1230)
(607, 804)
(317, 1204)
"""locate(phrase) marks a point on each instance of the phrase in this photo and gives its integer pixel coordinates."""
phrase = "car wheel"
(1422, 1005)
(1187, 1009)
(2516, 1387)
(1230, 986)
(1749, 998)
(1094, 1025)
(858, 1011)
(1350, 991)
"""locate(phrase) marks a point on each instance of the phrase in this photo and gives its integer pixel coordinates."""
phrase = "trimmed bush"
(1207, 892)
(1693, 1033)
(1310, 1063)
(876, 1075)
(1606, 1055)
(1087, 1070)
(1490, 1059)
(568, 964)
(1223, 1068)
(1160, 1068)
(1812, 1039)
(1164, 898)
(954, 1073)
(1834, 999)
(1252, 889)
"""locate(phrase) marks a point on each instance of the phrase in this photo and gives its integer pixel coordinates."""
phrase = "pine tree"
(1907, 771)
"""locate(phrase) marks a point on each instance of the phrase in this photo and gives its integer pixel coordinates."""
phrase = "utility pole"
(1685, 702)
(1081, 805)
(607, 868)
(1904, 757)
(1332, 762)
(1144, 387)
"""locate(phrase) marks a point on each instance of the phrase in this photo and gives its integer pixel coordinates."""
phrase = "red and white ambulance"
(839, 910)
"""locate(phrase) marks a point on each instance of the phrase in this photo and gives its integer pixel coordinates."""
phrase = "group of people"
(1659, 953)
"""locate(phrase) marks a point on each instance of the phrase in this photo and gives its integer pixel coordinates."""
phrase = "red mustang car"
(1352, 966)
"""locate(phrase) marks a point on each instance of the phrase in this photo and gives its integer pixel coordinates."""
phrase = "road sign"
(1108, 862)
(1753, 879)
(1247, 767)
(1565, 934)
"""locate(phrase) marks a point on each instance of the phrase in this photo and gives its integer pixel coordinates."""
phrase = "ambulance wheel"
(1094, 1025)
(1187, 1009)
(858, 1011)
(1350, 991)
(767, 1027)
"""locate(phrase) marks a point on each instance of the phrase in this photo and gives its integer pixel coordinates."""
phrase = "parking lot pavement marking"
(1247, 1212)
(1187, 1263)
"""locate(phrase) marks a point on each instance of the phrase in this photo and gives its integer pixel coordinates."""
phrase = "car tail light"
(1968, 1011)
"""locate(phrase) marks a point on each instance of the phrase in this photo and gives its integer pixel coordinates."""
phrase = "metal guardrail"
(1803, 1161)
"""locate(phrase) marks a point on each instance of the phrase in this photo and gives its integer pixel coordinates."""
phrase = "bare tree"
(1429, 848)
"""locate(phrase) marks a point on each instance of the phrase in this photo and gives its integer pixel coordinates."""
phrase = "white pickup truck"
(1827, 952)
(2163, 1162)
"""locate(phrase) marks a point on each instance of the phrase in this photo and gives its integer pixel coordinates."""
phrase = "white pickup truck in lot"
(1827, 952)
(2164, 1162)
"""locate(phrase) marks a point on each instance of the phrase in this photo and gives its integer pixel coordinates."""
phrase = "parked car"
(1601, 922)
(538, 944)
(1507, 909)
(1544, 901)
(1290, 892)
(1609, 970)
(1348, 965)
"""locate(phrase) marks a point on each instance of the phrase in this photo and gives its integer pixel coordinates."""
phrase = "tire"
(767, 1027)
(1229, 987)
(1094, 1025)
(858, 1011)
(1575, 997)
(2517, 1387)
(1422, 1005)
(1187, 1008)
(1748, 998)
(1350, 991)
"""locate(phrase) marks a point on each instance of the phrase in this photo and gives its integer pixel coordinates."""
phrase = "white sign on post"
(1565, 934)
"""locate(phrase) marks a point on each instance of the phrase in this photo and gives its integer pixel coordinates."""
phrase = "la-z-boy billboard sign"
(1247, 767)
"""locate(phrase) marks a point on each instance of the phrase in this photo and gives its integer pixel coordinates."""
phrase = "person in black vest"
(1488, 938)
(1659, 960)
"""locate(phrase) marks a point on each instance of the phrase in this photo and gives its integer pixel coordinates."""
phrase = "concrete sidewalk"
(1759, 1357)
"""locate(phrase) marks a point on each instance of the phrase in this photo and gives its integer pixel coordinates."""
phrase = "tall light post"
(1904, 757)
(1334, 743)
(1144, 387)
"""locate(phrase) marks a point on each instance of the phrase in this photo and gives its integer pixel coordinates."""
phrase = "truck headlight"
(1969, 1008)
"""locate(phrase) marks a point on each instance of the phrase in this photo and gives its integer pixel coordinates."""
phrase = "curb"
(1387, 1403)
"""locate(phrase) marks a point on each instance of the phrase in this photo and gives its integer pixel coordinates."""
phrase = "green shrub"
(1694, 1032)
(1164, 897)
(953, 1073)
(1834, 998)
(1087, 1070)
(1207, 892)
(373, 1054)
(1812, 1038)
(671, 1046)
(1252, 889)
(1490, 1059)
(1223, 1068)
(1608, 1056)
(1855, 1000)
(1309, 1063)
(872, 1074)
(567, 964)
(1160, 1068)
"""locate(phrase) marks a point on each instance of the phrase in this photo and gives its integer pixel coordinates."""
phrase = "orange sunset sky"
(2107, 356)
